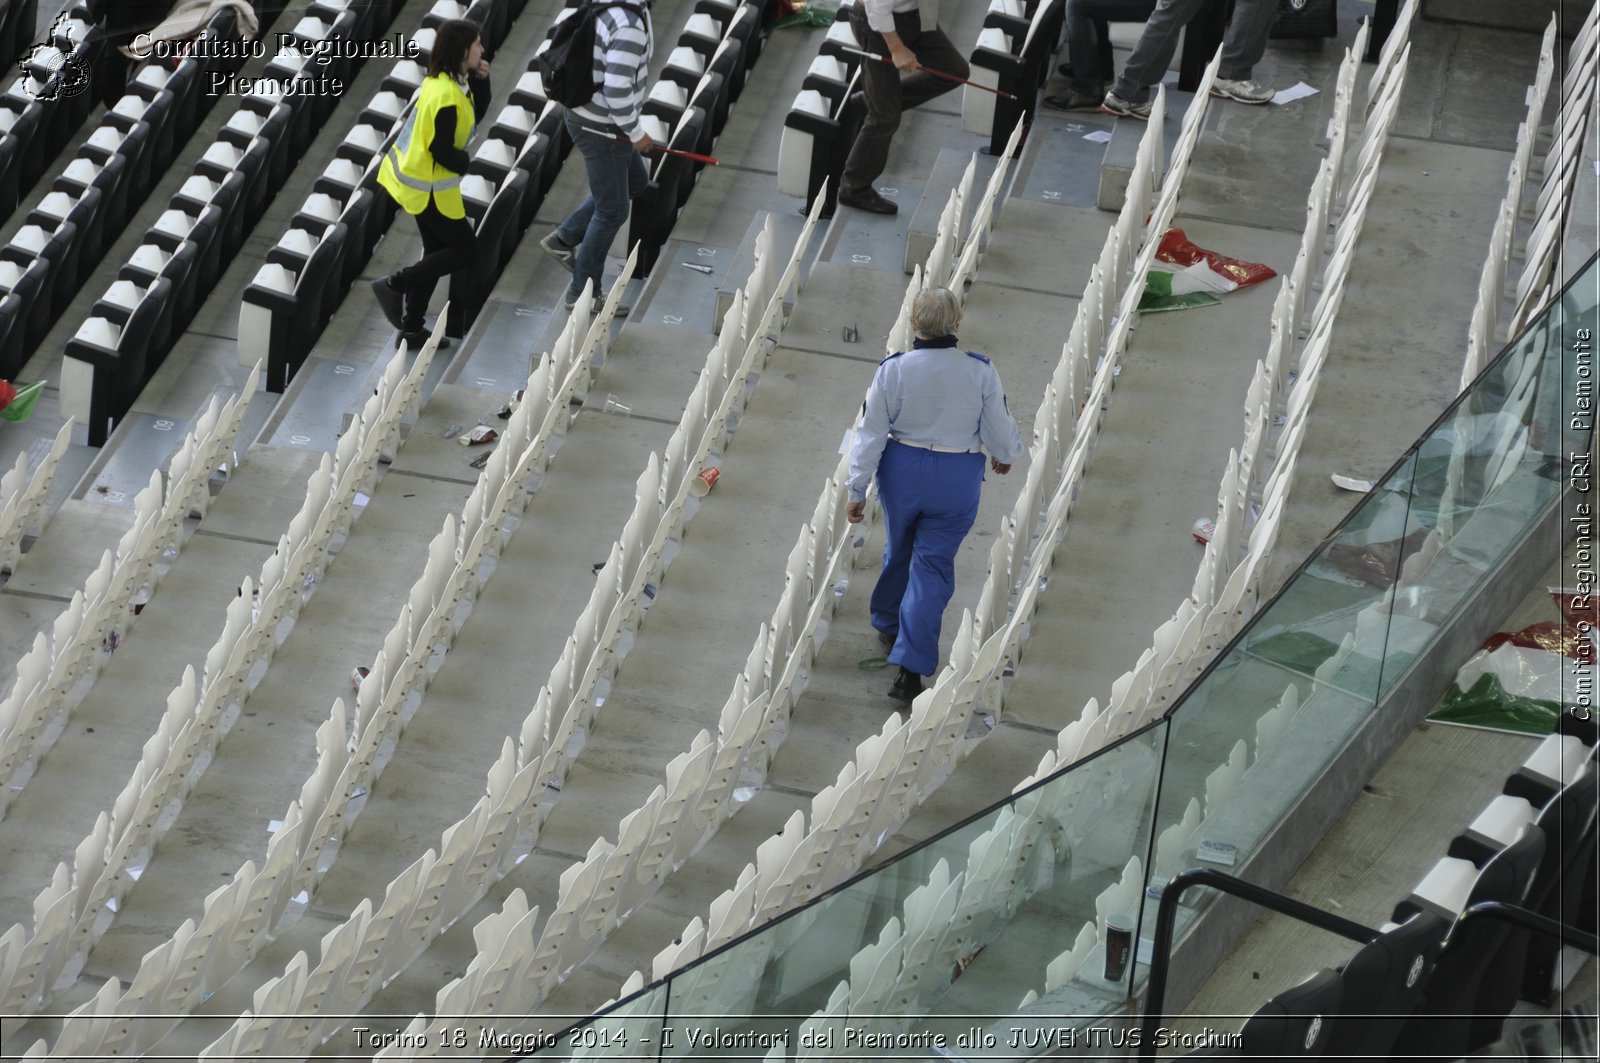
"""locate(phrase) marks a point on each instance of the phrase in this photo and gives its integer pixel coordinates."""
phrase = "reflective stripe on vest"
(409, 173)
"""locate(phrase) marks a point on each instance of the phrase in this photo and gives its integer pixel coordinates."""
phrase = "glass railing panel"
(1484, 474)
(968, 924)
(1265, 720)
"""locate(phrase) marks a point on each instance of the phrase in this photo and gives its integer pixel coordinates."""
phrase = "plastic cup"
(1119, 944)
(702, 484)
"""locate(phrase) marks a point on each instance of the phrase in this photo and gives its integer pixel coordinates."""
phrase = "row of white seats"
(891, 770)
(1215, 609)
(48, 675)
(198, 715)
(101, 612)
(349, 756)
(1483, 328)
(1537, 280)
(1227, 586)
(706, 783)
(554, 731)
(24, 498)
(186, 969)
(749, 897)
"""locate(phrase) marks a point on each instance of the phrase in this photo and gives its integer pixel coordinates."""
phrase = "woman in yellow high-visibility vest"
(423, 169)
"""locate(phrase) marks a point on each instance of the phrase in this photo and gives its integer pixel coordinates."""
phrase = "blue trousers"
(616, 175)
(929, 503)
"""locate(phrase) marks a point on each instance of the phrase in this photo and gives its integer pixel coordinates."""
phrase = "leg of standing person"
(1246, 39)
(949, 507)
(881, 83)
(1088, 51)
(934, 51)
(616, 175)
(899, 475)
(447, 245)
(1153, 52)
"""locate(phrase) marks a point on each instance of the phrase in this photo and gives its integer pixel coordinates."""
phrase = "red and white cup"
(702, 484)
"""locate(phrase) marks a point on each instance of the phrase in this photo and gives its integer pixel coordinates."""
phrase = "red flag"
(1177, 248)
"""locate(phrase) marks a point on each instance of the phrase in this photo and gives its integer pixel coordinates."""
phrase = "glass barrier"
(1011, 915)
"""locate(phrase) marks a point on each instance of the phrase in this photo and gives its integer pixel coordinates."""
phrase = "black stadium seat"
(149, 263)
(1445, 1025)
(1558, 888)
(111, 348)
(19, 301)
(109, 178)
(1383, 983)
(498, 233)
(58, 210)
(1296, 1022)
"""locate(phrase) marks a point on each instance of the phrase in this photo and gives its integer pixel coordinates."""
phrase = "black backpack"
(567, 66)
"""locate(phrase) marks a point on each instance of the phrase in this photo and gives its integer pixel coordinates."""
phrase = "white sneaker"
(1243, 91)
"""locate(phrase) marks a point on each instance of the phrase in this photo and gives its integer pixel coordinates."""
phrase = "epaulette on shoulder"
(892, 357)
(982, 358)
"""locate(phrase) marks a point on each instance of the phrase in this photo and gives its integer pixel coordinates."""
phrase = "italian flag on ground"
(1184, 276)
(17, 403)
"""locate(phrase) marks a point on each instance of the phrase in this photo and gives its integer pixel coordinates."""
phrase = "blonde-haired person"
(930, 414)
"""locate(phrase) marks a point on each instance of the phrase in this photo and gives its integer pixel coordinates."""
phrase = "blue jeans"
(616, 174)
(929, 503)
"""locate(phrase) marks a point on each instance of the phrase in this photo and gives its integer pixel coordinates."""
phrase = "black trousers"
(888, 94)
(447, 245)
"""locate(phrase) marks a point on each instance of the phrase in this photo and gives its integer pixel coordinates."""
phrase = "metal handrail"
(1539, 924)
(1167, 914)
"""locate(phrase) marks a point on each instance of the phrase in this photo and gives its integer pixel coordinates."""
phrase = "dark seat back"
(1444, 1024)
(1296, 1022)
(1383, 983)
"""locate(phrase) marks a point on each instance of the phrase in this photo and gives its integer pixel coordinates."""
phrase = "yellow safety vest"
(409, 171)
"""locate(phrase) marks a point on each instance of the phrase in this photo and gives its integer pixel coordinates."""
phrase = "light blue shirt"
(936, 395)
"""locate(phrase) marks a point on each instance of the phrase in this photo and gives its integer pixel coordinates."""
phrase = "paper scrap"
(1099, 136)
(1298, 91)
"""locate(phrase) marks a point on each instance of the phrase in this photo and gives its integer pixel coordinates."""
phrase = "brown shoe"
(867, 199)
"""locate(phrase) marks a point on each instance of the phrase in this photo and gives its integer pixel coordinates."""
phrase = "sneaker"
(1242, 91)
(1073, 100)
(390, 301)
(559, 251)
(1118, 107)
(907, 685)
(867, 199)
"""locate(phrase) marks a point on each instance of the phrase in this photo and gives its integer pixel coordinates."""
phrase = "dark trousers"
(447, 245)
(1242, 46)
(1087, 49)
(888, 94)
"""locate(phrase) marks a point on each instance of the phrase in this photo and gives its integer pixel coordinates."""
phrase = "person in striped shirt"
(607, 131)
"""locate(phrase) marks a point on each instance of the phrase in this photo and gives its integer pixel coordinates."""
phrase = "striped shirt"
(622, 45)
